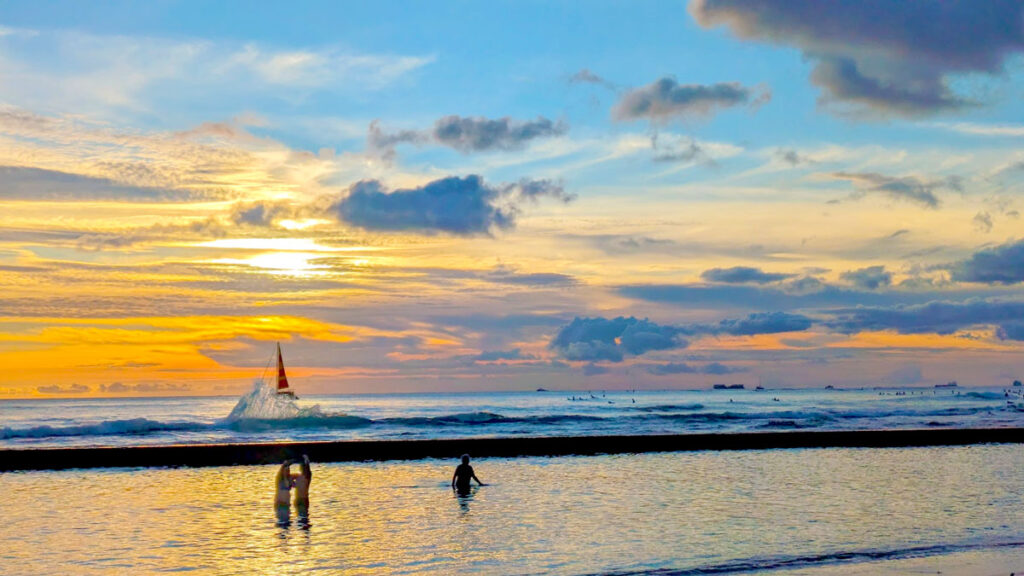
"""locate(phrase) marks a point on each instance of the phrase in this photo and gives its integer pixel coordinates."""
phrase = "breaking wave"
(262, 410)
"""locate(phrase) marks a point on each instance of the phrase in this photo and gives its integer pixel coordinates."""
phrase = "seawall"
(198, 455)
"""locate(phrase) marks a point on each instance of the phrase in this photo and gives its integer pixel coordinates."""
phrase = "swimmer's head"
(465, 458)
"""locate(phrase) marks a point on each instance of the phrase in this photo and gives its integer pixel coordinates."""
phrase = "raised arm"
(307, 472)
(283, 479)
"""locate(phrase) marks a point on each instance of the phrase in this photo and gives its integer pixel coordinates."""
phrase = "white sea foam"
(264, 403)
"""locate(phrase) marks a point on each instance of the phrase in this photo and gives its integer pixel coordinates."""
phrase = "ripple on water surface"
(577, 515)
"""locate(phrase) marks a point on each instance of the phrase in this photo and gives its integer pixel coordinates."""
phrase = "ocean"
(783, 512)
(262, 417)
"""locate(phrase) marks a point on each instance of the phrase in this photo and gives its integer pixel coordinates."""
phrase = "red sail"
(282, 380)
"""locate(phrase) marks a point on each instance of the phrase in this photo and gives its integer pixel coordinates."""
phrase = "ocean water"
(260, 416)
(777, 512)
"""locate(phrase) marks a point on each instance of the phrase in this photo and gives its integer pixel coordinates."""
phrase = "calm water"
(119, 422)
(780, 511)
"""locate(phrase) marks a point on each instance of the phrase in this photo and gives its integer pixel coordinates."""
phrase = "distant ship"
(728, 387)
(282, 379)
(947, 385)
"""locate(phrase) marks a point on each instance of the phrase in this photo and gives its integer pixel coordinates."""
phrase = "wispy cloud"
(76, 71)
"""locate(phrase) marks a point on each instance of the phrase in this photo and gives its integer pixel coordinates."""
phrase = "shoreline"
(243, 454)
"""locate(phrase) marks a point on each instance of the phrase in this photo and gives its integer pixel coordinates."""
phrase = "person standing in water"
(463, 474)
(301, 484)
(282, 492)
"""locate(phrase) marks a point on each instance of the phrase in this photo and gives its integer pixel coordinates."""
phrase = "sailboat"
(282, 378)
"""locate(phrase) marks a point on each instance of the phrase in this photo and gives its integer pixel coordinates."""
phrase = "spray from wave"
(264, 409)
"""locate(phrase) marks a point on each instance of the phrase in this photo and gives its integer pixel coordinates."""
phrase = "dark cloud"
(1000, 265)
(468, 134)
(885, 57)
(602, 339)
(665, 99)
(482, 134)
(58, 389)
(261, 213)
(933, 317)
(759, 323)
(585, 76)
(796, 294)
(140, 387)
(909, 188)
(20, 183)
(983, 222)
(870, 278)
(1011, 330)
(506, 275)
(792, 157)
(804, 285)
(670, 368)
(495, 355)
(383, 143)
(622, 244)
(463, 206)
(742, 275)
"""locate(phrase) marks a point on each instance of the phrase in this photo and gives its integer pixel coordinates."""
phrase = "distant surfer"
(463, 474)
(301, 484)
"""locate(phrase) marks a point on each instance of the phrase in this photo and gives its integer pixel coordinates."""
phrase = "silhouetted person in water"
(463, 474)
(282, 492)
(301, 484)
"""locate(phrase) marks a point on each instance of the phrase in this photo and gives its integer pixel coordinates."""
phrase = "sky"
(457, 196)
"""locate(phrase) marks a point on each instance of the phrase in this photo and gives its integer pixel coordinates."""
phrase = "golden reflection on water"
(537, 515)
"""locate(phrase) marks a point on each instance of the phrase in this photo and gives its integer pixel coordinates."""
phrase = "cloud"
(909, 189)
(670, 147)
(468, 134)
(140, 387)
(983, 222)
(585, 76)
(759, 323)
(58, 389)
(261, 213)
(1011, 130)
(1011, 330)
(870, 278)
(117, 74)
(24, 183)
(496, 355)
(602, 339)
(742, 275)
(670, 368)
(665, 99)
(792, 157)
(887, 58)
(594, 370)
(934, 317)
(508, 275)
(456, 205)
(1000, 265)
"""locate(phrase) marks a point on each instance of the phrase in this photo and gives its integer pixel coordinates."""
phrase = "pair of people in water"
(284, 483)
